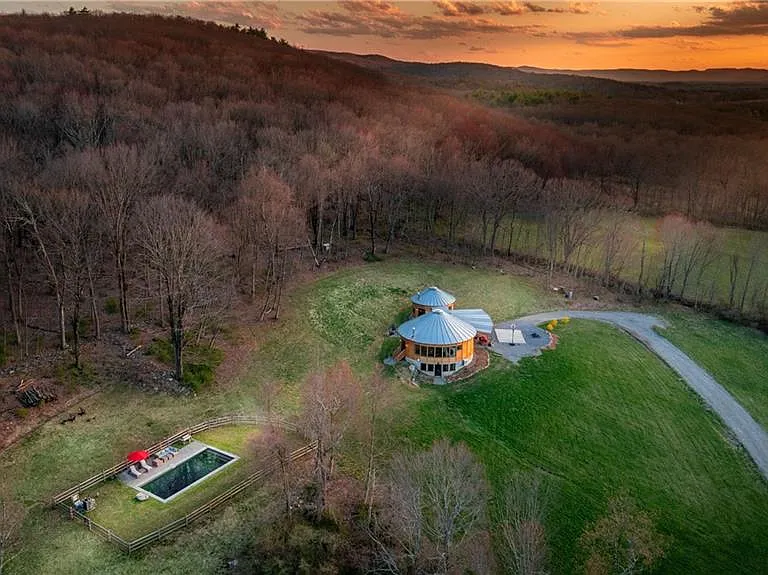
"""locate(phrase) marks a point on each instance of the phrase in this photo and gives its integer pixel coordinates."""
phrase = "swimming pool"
(187, 473)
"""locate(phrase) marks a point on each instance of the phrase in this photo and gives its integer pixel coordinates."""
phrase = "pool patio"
(187, 452)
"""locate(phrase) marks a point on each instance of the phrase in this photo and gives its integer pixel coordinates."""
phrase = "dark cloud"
(246, 13)
(386, 20)
(458, 8)
(733, 19)
(482, 49)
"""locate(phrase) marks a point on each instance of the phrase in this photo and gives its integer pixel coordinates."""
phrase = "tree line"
(176, 166)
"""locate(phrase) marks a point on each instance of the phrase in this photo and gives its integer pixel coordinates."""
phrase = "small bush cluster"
(110, 306)
(388, 347)
(200, 361)
(553, 324)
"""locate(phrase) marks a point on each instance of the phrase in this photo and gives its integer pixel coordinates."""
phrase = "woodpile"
(31, 393)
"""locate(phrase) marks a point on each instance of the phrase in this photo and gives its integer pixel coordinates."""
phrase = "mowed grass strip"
(600, 415)
(736, 356)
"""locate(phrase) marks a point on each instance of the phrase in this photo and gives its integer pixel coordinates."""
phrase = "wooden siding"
(466, 352)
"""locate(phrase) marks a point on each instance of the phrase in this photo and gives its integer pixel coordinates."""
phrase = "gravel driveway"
(640, 326)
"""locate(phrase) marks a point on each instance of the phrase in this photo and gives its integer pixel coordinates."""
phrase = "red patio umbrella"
(135, 456)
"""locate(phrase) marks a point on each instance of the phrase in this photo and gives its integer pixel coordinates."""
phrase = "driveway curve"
(640, 326)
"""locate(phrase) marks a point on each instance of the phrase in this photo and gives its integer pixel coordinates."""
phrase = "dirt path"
(640, 326)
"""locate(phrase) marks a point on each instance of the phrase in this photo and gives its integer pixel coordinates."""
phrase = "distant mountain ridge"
(523, 74)
(709, 75)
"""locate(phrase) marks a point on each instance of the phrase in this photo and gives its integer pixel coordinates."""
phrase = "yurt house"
(437, 343)
(431, 298)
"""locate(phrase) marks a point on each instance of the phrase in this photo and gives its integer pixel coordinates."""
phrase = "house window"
(430, 351)
(418, 349)
(452, 367)
(451, 352)
(423, 366)
(430, 367)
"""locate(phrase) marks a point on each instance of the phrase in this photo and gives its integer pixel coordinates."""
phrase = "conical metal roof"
(437, 328)
(433, 297)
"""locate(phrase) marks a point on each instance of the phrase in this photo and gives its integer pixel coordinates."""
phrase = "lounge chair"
(144, 465)
(133, 471)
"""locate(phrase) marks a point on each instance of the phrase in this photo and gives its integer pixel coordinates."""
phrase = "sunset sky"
(580, 34)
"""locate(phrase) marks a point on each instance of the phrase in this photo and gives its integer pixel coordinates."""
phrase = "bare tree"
(572, 213)
(269, 222)
(522, 525)
(271, 446)
(376, 394)
(117, 178)
(619, 240)
(329, 403)
(11, 248)
(182, 245)
(33, 206)
(623, 542)
(673, 231)
(72, 229)
(698, 253)
(435, 502)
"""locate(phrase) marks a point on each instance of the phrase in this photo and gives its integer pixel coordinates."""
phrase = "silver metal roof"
(478, 318)
(437, 328)
(433, 297)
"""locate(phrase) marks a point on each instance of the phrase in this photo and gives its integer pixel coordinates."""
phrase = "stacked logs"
(31, 393)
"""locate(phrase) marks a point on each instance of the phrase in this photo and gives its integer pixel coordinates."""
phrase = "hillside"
(708, 76)
(466, 75)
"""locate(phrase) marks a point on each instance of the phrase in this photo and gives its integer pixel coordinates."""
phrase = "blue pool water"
(186, 473)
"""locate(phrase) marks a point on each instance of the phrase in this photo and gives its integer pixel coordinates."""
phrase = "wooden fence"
(149, 538)
(209, 424)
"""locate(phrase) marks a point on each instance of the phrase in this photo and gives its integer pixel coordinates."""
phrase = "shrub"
(403, 315)
(565, 320)
(197, 375)
(388, 347)
(162, 350)
(110, 306)
(22, 412)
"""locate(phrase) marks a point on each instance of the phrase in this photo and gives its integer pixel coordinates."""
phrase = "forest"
(190, 164)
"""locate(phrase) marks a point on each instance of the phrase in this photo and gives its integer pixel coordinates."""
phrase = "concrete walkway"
(640, 326)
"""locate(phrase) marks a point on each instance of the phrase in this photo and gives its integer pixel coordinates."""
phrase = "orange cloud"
(382, 19)
(513, 8)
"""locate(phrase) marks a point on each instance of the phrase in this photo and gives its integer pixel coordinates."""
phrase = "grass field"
(736, 356)
(119, 511)
(528, 238)
(120, 419)
(598, 424)
(597, 414)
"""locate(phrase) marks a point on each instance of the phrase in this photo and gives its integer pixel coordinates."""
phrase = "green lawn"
(736, 356)
(600, 423)
(528, 237)
(118, 510)
(312, 332)
(597, 414)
